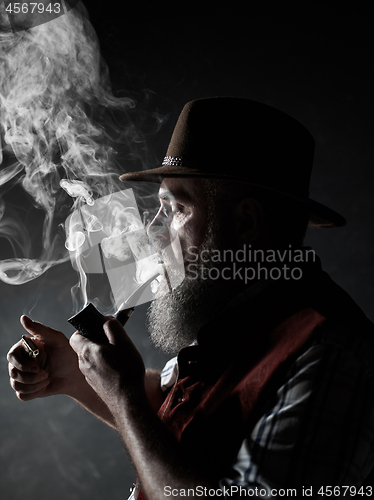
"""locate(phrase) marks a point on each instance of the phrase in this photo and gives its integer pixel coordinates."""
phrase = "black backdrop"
(311, 60)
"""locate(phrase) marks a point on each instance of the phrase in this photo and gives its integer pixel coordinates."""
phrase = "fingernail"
(26, 320)
(44, 375)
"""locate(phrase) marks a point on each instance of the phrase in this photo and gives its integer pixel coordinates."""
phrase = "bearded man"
(273, 384)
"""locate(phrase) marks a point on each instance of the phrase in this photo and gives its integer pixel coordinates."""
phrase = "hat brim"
(320, 216)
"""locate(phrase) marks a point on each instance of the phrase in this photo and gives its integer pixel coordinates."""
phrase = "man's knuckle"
(13, 372)
(13, 385)
(101, 351)
(16, 359)
(20, 365)
(10, 355)
(85, 357)
(17, 386)
(93, 352)
(87, 351)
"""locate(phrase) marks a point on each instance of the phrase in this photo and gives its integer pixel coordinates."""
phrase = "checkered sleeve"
(319, 432)
(169, 374)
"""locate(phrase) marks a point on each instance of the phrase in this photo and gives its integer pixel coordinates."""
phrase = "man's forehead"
(181, 189)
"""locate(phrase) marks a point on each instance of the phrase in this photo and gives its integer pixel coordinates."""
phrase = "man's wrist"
(128, 402)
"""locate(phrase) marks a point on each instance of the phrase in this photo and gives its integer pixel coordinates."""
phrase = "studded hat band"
(173, 160)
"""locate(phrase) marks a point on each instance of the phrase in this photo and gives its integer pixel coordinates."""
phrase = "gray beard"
(176, 316)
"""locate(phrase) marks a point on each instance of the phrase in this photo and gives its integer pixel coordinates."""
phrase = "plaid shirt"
(318, 432)
(319, 429)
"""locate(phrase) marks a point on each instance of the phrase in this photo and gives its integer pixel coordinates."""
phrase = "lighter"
(29, 347)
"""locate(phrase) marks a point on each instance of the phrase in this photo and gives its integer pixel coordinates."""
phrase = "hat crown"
(246, 139)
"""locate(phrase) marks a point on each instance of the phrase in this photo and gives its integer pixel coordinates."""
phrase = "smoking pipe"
(89, 321)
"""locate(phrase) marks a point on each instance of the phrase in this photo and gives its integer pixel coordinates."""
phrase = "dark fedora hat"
(246, 141)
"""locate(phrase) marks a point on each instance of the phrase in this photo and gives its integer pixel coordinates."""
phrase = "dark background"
(311, 60)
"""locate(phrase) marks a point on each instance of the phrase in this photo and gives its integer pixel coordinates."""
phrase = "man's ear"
(249, 217)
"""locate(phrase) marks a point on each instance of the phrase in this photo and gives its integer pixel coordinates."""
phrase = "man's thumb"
(39, 330)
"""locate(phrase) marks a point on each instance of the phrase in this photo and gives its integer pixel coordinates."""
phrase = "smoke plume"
(55, 97)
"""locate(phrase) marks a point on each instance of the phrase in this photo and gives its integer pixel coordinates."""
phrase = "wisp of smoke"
(54, 88)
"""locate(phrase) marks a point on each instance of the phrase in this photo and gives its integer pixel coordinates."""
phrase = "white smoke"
(109, 237)
(54, 98)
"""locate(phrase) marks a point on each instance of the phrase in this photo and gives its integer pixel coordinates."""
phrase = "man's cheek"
(177, 248)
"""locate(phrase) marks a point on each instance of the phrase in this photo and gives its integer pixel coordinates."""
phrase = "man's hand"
(54, 371)
(116, 373)
(111, 370)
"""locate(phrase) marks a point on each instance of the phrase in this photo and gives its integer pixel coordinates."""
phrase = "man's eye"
(170, 211)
